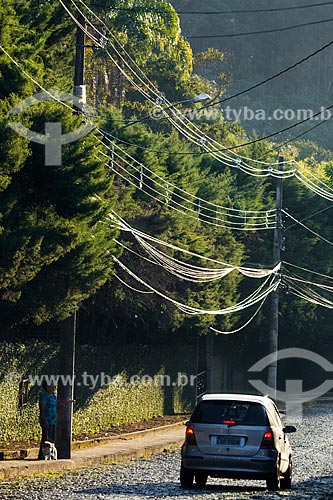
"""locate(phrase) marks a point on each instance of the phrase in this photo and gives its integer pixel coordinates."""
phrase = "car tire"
(201, 479)
(186, 477)
(273, 482)
(286, 479)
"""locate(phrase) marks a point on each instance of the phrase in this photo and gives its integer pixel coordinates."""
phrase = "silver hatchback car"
(236, 436)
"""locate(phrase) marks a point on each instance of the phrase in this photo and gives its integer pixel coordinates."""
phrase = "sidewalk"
(116, 449)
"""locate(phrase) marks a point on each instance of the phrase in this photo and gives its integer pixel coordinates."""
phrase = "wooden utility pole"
(68, 328)
(273, 341)
(66, 387)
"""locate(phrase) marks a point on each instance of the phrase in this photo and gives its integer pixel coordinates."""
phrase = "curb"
(79, 445)
(88, 443)
(131, 446)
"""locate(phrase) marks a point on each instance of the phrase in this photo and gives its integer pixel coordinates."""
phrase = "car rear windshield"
(242, 413)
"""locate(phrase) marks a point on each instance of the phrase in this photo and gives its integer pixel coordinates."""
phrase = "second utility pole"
(273, 341)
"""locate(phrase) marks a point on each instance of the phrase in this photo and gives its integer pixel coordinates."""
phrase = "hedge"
(98, 408)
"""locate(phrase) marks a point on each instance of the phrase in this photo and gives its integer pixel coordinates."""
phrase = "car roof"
(264, 400)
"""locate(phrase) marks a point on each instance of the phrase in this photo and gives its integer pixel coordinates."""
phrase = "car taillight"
(190, 436)
(267, 440)
(229, 422)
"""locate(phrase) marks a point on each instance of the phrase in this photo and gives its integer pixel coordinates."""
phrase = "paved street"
(157, 477)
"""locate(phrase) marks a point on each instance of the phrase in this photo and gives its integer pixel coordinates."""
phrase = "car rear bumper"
(255, 467)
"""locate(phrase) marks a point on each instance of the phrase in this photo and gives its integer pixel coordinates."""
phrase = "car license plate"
(227, 440)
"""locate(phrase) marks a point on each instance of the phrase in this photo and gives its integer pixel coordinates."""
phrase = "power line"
(282, 130)
(277, 148)
(197, 137)
(188, 129)
(276, 75)
(207, 12)
(227, 159)
(150, 244)
(200, 139)
(312, 23)
(307, 228)
(240, 165)
(167, 193)
(309, 184)
(308, 270)
(254, 11)
(271, 283)
(251, 272)
(306, 218)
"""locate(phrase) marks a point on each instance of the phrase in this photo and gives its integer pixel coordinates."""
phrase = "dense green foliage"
(53, 248)
(56, 245)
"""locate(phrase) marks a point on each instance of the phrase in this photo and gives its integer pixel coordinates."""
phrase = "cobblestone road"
(157, 477)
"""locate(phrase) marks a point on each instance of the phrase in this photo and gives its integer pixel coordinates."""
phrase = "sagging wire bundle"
(185, 270)
(271, 283)
(198, 274)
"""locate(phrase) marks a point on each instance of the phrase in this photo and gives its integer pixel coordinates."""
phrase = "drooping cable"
(241, 327)
(142, 238)
(129, 286)
(271, 283)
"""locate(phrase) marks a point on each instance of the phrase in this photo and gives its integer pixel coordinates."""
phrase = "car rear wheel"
(186, 477)
(201, 479)
(287, 476)
(273, 482)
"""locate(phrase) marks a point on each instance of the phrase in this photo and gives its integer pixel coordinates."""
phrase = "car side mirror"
(288, 429)
(186, 423)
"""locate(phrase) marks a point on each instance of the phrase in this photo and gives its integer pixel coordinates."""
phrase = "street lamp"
(200, 97)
